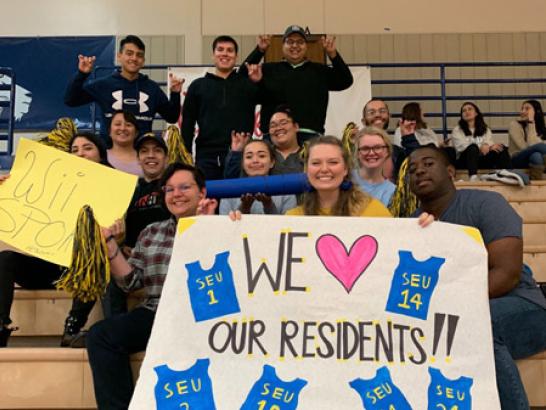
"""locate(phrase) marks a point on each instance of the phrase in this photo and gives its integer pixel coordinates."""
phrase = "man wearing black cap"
(145, 207)
(301, 84)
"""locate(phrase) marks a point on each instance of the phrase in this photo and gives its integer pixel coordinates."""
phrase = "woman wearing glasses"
(283, 132)
(111, 341)
(373, 149)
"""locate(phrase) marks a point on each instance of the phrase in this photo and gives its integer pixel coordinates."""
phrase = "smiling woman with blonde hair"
(328, 168)
(373, 149)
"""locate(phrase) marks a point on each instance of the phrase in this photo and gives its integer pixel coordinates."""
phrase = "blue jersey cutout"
(380, 393)
(413, 284)
(186, 389)
(212, 292)
(271, 393)
(447, 394)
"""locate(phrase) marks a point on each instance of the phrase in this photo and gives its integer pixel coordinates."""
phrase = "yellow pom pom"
(89, 274)
(177, 150)
(60, 136)
(403, 202)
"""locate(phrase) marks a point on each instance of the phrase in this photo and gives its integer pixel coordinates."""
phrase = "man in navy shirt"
(125, 89)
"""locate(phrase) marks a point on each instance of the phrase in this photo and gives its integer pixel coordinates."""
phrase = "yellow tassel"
(404, 202)
(89, 274)
(177, 150)
(60, 136)
(348, 138)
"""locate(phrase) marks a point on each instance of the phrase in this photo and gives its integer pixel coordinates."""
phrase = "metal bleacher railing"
(7, 115)
(442, 79)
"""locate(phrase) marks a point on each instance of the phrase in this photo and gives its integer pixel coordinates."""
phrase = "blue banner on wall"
(43, 67)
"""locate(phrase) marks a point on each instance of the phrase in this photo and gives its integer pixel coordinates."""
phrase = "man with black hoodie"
(220, 103)
(125, 89)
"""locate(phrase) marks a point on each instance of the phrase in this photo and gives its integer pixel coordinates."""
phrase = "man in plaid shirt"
(111, 341)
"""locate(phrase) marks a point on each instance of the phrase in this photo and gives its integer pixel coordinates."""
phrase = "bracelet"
(110, 238)
(110, 258)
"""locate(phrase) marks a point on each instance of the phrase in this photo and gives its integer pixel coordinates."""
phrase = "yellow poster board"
(39, 203)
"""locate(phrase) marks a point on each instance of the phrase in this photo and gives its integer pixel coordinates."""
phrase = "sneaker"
(474, 178)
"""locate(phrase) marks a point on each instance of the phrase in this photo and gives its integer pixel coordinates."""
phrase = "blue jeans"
(519, 331)
(533, 155)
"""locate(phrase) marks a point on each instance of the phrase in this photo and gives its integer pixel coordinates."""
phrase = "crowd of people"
(358, 182)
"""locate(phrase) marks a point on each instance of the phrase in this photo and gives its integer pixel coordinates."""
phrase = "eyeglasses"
(381, 111)
(168, 189)
(281, 123)
(376, 149)
(299, 42)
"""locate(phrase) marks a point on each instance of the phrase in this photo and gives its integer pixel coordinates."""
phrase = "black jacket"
(303, 88)
(218, 106)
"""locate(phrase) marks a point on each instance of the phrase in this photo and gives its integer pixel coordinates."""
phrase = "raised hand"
(85, 64)
(207, 206)
(238, 140)
(407, 127)
(176, 83)
(264, 41)
(329, 45)
(254, 72)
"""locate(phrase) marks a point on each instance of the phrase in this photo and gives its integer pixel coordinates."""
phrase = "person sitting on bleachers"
(145, 206)
(474, 145)
(328, 167)
(34, 273)
(528, 139)
(123, 132)
(258, 160)
(373, 149)
(283, 132)
(413, 132)
(111, 341)
(518, 307)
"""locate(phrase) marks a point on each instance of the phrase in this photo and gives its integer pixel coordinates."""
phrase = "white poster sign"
(314, 313)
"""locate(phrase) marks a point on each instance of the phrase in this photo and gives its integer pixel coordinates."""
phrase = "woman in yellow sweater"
(328, 168)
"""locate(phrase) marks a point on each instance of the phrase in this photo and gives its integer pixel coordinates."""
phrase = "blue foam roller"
(285, 184)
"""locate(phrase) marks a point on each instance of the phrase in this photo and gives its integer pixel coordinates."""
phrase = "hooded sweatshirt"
(142, 97)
